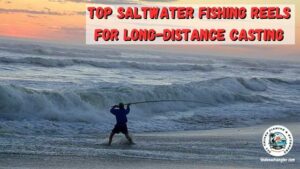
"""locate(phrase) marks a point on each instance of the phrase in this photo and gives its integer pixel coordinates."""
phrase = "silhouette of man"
(121, 117)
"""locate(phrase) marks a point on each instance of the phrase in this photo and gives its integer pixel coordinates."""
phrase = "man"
(121, 117)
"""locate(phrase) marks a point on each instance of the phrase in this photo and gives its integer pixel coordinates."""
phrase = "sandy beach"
(218, 148)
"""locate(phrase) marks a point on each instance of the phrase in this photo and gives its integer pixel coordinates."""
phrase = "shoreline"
(217, 148)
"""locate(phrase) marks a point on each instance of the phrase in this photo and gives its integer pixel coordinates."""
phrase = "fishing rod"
(157, 101)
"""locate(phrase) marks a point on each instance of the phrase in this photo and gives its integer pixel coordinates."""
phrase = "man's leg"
(128, 138)
(111, 137)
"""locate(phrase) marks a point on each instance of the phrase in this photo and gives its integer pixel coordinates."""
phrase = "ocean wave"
(28, 110)
(281, 81)
(50, 62)
(51, 50)
(86, 105)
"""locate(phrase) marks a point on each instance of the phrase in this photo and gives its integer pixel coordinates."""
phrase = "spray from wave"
(92, 105)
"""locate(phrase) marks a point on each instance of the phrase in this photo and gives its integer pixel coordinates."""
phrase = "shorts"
(120, 128)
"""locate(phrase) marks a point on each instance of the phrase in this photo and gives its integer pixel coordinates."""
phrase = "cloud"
(32, 16)
(112, 1)
(160, 0)
(99, 1)
(47, 11)
(67, 29)
(72, 29)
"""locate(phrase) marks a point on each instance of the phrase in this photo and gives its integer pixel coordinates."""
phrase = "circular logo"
(277, 140)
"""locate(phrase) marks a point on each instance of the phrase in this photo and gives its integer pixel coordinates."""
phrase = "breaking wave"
(91, 105)
(47, 62)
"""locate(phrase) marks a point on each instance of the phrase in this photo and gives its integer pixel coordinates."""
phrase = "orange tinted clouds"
(42, 20)
(65, 20)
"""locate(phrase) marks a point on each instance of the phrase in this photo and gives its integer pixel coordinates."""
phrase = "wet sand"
(218, 148)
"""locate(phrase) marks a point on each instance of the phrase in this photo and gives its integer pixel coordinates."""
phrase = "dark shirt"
(120, 114)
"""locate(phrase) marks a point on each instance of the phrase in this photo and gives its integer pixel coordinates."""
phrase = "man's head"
(121, 105)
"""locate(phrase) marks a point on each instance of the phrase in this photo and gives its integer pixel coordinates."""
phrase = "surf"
(84, 105)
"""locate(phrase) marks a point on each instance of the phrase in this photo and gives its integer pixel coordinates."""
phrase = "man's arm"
(128, 109)
(113, 109)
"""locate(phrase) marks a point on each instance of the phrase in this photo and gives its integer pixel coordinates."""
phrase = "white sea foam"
(55, 90)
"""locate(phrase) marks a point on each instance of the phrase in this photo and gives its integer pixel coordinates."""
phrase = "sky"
(64, 21)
